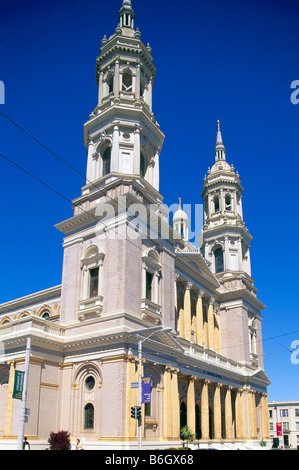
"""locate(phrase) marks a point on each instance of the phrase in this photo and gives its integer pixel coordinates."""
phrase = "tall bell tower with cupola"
(226, 240)
(225, 247)
(122, 135)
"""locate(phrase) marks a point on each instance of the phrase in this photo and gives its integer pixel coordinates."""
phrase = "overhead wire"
(91, 215)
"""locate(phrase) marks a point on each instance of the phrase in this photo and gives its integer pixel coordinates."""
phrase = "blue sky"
(234, 61)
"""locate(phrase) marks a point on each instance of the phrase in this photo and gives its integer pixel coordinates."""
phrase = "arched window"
(142, 165)
(90, 383)
(89, 416)
(151, 275)
(127, 82)
(106, 159)
(228, 203)
(110, 84)
(216, 204)
(46, 315)
(219, 266)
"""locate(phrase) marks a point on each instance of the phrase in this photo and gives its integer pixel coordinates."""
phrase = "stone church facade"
(123, 280)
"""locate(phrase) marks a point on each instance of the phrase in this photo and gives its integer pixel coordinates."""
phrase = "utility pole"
(24, 397)
(140, 393)
(153, 331)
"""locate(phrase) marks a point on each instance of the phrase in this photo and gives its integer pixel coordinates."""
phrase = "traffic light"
(133, 412)
(138, 412)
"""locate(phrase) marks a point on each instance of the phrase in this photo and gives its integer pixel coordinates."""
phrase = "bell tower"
(122, 135)
(226, 240)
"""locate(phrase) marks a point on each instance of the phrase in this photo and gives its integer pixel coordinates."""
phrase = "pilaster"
(199, 337)
(187, 312)
(211, 338)
(9, 400)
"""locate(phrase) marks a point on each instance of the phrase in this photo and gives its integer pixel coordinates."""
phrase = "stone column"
(180, 312)
(175, 405)
(222, 201)
(251, 428)
(205, 410)
(191, 404)
(137, 149)
(100, 89)
(265, 417)
(171, 404)
(175, 290)
(199, 332)
(150, 92)
(116, 78)
(240, 429)
(115, 164)
(156, 287)
(217, 330)
(95, 166)
(226, 254)
(187, 312)
(137, 87)
(228, 414)
(211, 344)
(217, 412)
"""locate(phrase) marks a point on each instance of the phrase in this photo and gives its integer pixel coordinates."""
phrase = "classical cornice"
(192, 263)
(28, 300)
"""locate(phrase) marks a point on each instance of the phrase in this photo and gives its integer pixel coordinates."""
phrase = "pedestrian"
(26, 445)
(78, 445)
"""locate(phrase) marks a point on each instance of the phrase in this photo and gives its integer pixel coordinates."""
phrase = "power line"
(91, 215)
(35, 177)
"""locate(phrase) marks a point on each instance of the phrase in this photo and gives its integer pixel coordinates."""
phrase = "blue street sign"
(146, 389)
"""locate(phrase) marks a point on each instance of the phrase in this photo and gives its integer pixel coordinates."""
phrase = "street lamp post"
(24, 397)
(157, 330)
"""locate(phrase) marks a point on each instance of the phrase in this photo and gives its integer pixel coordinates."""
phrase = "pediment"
(160, 338)
(261, 375)
(194, 261)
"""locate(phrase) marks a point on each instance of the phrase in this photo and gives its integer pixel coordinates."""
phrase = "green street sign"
(18, 385)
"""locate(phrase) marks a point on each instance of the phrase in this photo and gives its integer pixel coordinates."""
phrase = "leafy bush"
(186, 434)
(60, 440)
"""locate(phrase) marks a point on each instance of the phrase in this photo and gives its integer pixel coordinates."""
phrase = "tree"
(186, 434)
(60, 440)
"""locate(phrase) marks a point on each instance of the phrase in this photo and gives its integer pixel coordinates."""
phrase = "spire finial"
(180, 201)
(126, 15)
(220, 149)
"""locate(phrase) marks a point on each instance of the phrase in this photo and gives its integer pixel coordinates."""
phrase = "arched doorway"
(197, 422)
(183, 415)
(211, 423)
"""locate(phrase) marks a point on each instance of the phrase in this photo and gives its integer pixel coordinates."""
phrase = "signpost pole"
(139, 393)
(24, 397)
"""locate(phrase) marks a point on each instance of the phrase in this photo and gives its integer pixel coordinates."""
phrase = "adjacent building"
(130, 271)
(286, 413)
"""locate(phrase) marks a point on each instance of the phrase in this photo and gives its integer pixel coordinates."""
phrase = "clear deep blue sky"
(229, 60)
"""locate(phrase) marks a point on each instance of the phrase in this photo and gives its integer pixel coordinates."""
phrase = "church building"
(130, 276)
